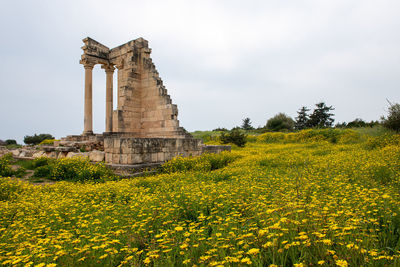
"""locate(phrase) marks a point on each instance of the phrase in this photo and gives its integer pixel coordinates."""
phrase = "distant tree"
(302, 119)
(280, 122)
(219, 129)
(321, 118)
(373, 123)
(341, 125)
(36, 139)
(2, 143)
(11, 142)
(246, 124)
(235, 136)
(356, 123)
(393, 118)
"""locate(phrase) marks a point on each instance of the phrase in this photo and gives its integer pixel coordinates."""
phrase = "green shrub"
(20, 172)
(42, 171)
(79, 169)
(11, 142)
(5, 168)
(36, 139)
(280, 122)
(234, 136)
(392, 121)
(48, 142)
(42, 161)
(74, 169)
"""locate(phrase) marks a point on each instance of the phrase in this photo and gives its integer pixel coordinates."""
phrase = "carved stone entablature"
(95, 49)
(87, 62)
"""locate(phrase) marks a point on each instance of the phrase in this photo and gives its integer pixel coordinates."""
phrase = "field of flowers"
(313, 198)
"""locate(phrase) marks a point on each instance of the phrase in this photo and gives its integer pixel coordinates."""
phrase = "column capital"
(87, 63)
(109, 68)
(119, 64)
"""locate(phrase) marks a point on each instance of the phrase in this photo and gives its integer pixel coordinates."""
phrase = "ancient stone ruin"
(144, 128)
(144, 107)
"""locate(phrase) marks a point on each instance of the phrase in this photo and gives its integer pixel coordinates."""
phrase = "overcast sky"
(221, 61)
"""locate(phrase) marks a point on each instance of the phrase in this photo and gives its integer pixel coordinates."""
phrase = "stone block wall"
(129, 151)
(81, 138)
(144, 106)
(82, 142)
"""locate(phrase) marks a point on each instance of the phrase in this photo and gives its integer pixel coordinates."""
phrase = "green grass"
(13, 146)
(206, 136)
(377, 130)
(27, 164)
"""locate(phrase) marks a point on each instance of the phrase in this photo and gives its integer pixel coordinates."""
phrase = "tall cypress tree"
(246, 125)
(302, 119)
(321, 117)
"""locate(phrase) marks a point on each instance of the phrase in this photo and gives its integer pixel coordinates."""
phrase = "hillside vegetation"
(312, 198)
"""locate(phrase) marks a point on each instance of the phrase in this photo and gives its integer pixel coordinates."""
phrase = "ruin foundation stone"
(144, 128)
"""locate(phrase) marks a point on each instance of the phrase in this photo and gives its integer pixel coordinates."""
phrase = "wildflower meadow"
(311, 198)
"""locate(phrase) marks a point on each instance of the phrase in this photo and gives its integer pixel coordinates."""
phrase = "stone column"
(109, 97)
(88, 116)
(120, 66)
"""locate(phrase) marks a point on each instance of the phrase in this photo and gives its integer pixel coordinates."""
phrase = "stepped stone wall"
(144, 107)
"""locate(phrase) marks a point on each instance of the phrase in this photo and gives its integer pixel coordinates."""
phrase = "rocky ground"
(31, 152)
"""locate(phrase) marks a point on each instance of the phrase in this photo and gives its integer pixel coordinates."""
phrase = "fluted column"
(88, 116)
(109, 97)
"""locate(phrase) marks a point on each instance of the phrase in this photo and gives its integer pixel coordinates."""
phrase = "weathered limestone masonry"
(144, 128)
(144, 107)
(150, 150)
